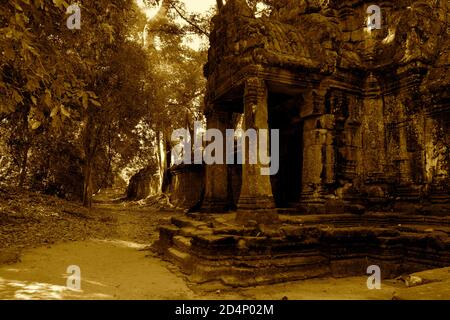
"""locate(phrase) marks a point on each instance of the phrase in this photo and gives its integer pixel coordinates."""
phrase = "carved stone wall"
(364, 119)
(375, 110)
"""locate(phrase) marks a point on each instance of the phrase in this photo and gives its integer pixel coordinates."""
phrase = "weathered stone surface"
(140, 185)
(187, 186)
(364, 143)
(306, 246)
(371, 107)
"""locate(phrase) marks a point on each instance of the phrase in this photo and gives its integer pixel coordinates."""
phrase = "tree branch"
(200, 30)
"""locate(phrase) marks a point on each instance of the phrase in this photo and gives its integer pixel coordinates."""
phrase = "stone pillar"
(216, 183)
(318, 150)
(318, 158)
(256, 190)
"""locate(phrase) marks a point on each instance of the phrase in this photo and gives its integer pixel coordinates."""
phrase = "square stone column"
(256, 190)
(216, 185)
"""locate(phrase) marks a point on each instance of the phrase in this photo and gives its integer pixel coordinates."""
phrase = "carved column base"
(315, 195)
(312, 200)
(256, 202)
(217, 205)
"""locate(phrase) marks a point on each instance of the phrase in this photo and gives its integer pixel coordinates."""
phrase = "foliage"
(79, 106)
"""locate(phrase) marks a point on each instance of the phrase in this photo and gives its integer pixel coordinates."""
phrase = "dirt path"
(112, 267)
(117, 264)
(116, 269)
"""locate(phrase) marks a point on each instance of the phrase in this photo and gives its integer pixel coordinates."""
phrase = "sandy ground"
(117, 269)
(121, 267)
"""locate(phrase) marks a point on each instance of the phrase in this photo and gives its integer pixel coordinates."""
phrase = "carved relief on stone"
(363, 116)
(399, 134)
(417, 31)
(437, 81)
(289, 11)
(440, 157)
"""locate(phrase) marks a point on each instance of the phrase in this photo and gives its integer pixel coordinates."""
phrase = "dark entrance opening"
(284, 114)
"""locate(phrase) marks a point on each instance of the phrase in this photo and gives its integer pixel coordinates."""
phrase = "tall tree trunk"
(103, 183)
(163, 155)
(160, 157)
(92, 134)
(26, 139)
(166, 177)
(23, 166)
(87, 183)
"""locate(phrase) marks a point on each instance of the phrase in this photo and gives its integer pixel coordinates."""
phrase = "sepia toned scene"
(224, 150)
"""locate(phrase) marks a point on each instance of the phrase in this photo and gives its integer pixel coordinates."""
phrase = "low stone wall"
(187, 185)
(142, 184)
(185, 190)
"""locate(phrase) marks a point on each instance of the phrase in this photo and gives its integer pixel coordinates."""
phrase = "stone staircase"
(215, 248)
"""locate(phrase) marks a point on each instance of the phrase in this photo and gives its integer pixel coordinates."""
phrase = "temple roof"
(318, 36)
(239, 36)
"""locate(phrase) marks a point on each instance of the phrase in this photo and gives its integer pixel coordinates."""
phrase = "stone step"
(169, 229)
(166, 234)
(189, 232)
(182, 243)
(185, 222)
(177, 256)
(289, 211)
(440, 198)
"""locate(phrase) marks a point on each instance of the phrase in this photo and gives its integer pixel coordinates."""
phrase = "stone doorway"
(284, 114)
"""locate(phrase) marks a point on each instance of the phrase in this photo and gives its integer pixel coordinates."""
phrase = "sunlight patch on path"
(125, 244)
(110, 269)
(26, 290)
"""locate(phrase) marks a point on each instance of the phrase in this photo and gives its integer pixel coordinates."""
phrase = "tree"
(35, 83)
(53, 77)
(179, 70)
(78, 106)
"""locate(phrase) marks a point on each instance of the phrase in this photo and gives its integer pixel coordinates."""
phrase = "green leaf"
(85, 100)
(92, 94)
(58, 3)
(35, 124)
(96, 103)
(18, 7)
(48, 98)
(65, 112)
(17, 97)
(54, 112)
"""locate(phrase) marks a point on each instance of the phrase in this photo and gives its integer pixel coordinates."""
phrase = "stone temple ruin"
(364, 117)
